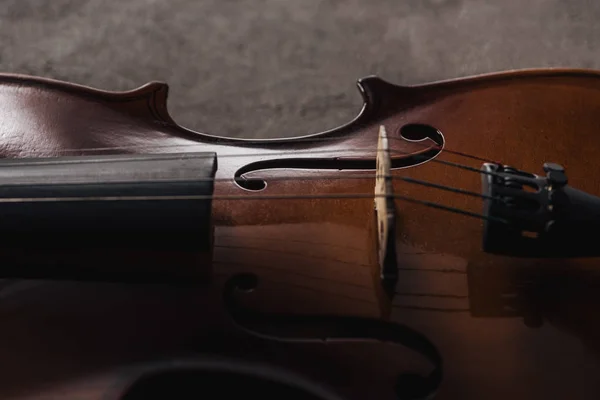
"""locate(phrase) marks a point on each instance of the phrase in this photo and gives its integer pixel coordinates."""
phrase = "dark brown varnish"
(316, 256)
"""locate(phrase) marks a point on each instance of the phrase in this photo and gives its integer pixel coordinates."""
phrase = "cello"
(440, 245)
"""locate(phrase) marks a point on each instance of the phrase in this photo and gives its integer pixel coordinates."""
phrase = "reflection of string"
(351, 286)
(449, 296)
(304, 255)
(352, 298)
(6, 283)
(310, 256)
(328, 329)
(360, 265)
(440, 270)
(307, 287)
(433, 309)
(325, 279)
(327, 245)
(287, 240)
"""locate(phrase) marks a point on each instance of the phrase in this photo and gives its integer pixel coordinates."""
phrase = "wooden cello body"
(314, 254)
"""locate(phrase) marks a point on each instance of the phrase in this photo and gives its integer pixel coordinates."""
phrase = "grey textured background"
(267, 68)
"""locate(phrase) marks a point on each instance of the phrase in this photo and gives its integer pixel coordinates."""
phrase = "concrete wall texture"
(272, 68)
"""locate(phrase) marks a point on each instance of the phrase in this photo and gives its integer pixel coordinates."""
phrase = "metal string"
(321, 177)
(330, 196)
(352, 196)
(283, 197)
(266, 153)
(424, 157)
(240, 142)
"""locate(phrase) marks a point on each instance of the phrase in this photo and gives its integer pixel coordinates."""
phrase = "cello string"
(263, 154)
(262, 142)
(352, 196)
(243, 143)
(424, 157)
(336, 152)
(42, 162)
(337, 177)
(276, 197)
(410, 180)
(342, 178)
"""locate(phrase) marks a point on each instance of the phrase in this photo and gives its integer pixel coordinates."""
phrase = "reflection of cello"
(242, 245)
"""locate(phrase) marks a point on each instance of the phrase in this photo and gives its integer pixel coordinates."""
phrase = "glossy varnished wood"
(317, 255)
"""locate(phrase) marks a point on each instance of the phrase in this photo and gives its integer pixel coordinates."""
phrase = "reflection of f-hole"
(409, 132)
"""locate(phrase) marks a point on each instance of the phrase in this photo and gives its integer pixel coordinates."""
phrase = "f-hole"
(411, 132)
(418, 132)
(254, 185)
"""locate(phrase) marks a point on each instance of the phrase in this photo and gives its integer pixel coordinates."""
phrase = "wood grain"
(316, 256)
